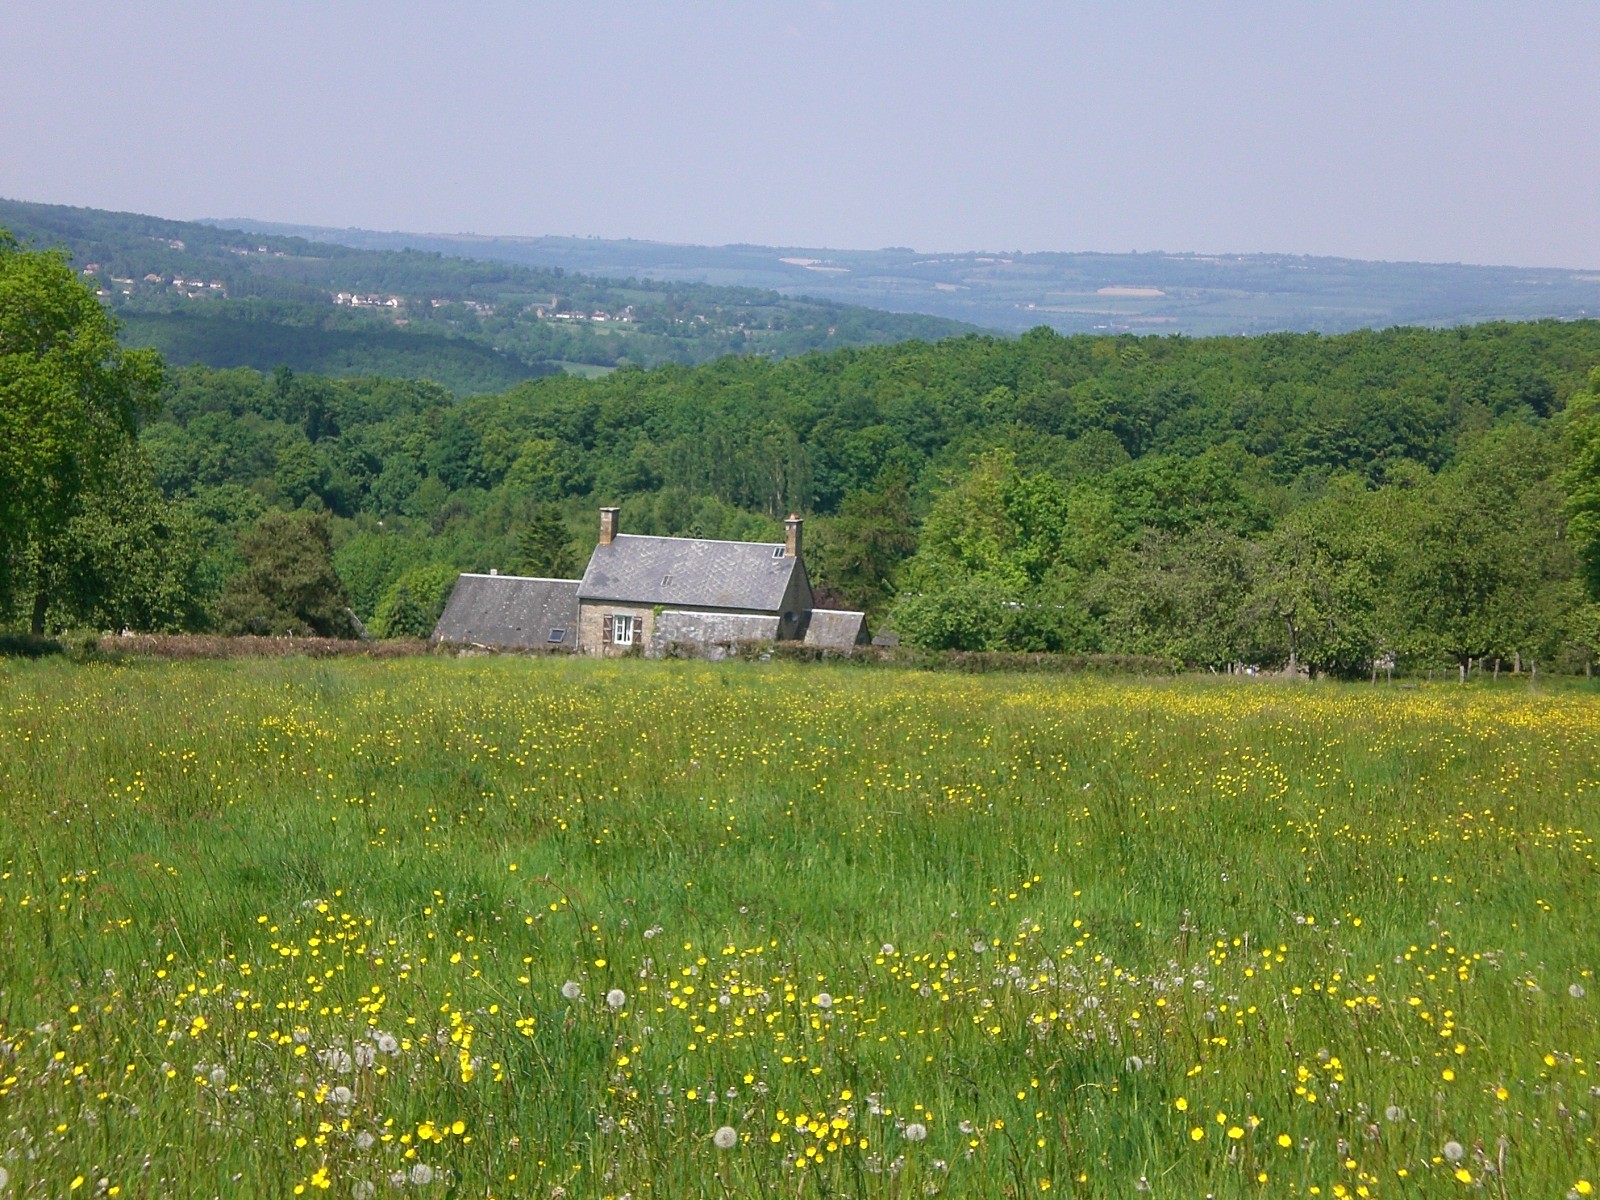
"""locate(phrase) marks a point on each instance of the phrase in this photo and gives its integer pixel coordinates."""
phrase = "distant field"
(508, 927)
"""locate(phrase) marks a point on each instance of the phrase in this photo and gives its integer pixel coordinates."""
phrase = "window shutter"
(605, 629)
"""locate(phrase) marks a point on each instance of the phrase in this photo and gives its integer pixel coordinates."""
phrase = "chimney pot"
(608, 525)
(791, 539)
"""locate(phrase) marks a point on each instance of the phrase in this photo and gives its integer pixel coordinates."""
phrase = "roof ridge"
(663, 537)
(520, 578)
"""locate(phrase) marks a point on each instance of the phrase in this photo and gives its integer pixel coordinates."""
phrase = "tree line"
(1410, 495)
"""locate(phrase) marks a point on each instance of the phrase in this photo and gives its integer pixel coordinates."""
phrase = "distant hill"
(1074, 293)
(207, 294)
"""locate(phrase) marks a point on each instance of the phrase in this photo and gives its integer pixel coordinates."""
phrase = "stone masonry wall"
(592, 616)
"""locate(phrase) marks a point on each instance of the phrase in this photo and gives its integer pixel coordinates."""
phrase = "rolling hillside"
(1196, 294)
(220, 297)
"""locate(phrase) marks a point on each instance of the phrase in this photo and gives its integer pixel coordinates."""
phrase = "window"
(556, 635)
(778, 551)
(621, 629)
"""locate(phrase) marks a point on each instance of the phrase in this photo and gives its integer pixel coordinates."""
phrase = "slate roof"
(836, 629)
(691, 572)
(511, 611)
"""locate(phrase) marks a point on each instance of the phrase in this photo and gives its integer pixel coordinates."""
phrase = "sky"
(1448, 132)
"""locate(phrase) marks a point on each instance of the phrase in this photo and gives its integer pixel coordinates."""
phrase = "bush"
(412, 604)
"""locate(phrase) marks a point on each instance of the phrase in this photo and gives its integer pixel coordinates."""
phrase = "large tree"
(70, 398)
(545, 545)
(288, 586)
(1583, 479)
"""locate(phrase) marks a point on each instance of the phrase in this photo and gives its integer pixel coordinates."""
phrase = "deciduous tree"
(70, 397)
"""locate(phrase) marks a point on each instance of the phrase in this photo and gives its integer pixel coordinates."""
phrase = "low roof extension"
(511, 611)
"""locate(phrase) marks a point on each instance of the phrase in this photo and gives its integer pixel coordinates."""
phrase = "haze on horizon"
(1461, 132)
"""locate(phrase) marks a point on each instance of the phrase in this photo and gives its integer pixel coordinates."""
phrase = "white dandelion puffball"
(1576, 991)
(422, 1174)
(823, 1000)
(5, 1177)
(1133, 1063)
(387, 1044)
(1454, 1151)
(572, 989)
(365, 1055)
(219, 1076)
(726, 1138)
(1394, 1114)
(365, 1140)
(616, 997)
(341, 1095)
(916, 1132)
(364, 1189)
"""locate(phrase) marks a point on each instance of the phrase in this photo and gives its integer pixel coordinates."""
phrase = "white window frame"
(622, 627)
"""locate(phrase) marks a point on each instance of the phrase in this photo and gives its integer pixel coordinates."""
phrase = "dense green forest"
(1433, 495)
(226, 298)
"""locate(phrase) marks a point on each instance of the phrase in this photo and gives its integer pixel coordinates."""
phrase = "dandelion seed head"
(916, 1132)
(572, 989)
(1577, 991)
(616, 997)
(726, 1138)
(1394, 1113)
(422, 1174)
(1454, 1151)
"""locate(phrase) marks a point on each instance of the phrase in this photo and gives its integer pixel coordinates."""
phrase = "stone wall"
(709, 634)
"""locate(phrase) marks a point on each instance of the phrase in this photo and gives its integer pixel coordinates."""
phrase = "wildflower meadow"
(512, 927)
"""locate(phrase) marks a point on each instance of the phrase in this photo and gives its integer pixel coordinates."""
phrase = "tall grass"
(274, 928)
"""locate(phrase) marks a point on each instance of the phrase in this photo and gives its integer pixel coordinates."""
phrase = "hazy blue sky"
(1404, 130)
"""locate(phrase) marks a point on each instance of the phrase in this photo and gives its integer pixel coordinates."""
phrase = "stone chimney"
(791, 536)
(608, 525)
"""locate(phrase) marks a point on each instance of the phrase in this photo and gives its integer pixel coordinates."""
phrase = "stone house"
(658, 595)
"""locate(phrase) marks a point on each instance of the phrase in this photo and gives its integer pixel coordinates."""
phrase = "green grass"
(1058, 925)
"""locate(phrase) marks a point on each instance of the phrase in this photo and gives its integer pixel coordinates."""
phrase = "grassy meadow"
(505, 927)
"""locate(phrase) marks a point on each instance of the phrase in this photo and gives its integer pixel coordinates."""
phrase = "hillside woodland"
(225, 298)
(1431, 496)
